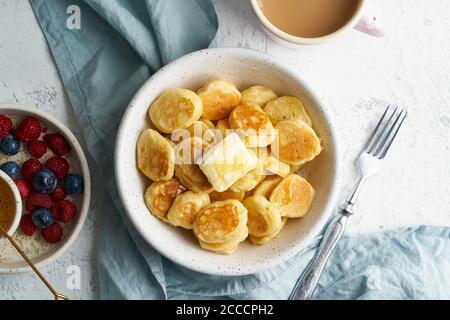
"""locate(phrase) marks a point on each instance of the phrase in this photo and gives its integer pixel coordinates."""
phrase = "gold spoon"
(57, 295)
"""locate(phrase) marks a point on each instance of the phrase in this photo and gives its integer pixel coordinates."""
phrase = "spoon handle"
(56, 295)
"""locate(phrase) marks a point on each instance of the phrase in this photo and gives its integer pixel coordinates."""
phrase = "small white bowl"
(244, 68)
(18, 200)
(40, 252)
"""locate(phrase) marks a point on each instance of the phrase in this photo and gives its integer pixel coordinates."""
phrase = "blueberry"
(73, 184)
(12, 169)
(44, 181)
(42, 218)
(10, 145)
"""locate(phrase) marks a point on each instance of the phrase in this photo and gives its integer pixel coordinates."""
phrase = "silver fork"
(370, 161)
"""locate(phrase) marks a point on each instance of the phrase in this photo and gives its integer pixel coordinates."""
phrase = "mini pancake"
(193, 178)
(227, 195)
(259, 95)
(250, 180)
(271, 164)
(263, 217)
(266, 186)
(188, 153)
(253, 123)
(286, 108)
(155, 156)
(259, 241)
(175, 109)
(219, 99)
(201, 130)
(296, 143)
(160, 196)
(220, 221)
(293, 196)
(185, 208)
(223, 126)
(227, 247)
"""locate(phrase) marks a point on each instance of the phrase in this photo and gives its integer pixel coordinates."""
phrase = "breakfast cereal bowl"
(41, 252)
(244, 68)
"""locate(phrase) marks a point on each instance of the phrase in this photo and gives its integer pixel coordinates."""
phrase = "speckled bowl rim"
(83, 211)
(211, 269)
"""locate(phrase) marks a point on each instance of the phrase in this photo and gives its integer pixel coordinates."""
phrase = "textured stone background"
(355, 76)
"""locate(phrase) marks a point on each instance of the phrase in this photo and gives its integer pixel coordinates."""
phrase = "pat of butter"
(227, 161)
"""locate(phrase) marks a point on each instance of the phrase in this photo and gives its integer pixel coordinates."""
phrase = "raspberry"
(38, 200)
(58, 165)
(30, 167)
(58, 194)
(24, 188)
(64, 211)
(53, 233)
(27, 226)
(37, 149)
(5, 125)
(28, 130)
(57, 143)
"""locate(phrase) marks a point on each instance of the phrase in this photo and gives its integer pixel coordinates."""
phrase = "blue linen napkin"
(119, 45)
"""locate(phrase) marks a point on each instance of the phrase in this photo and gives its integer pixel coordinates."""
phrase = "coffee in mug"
(309, 18)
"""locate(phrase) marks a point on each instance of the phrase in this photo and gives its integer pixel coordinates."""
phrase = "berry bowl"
(46, 163)
(244, 68)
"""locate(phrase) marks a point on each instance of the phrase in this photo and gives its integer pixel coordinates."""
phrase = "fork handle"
(306, 284)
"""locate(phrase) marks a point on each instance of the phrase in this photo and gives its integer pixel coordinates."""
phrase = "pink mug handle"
(371, 22)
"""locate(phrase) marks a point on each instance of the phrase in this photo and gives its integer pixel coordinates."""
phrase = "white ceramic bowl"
(244, 68)
(40, 252)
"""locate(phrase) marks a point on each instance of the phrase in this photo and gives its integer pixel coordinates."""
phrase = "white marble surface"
(355, 76)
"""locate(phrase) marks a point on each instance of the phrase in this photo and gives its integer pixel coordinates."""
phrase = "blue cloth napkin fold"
(119, 45)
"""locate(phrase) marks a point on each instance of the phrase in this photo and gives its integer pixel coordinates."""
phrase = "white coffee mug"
(366, 19)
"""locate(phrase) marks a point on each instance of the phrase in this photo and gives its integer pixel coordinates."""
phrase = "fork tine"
(388, 129)
(382, 133)
(377, 128)
(392, 138)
